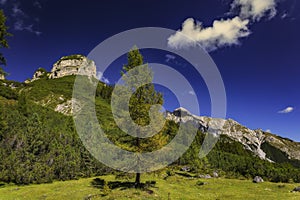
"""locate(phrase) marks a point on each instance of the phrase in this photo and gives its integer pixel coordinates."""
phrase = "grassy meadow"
(174, 187)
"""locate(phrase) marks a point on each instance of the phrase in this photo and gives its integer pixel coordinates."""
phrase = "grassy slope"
(178, 187)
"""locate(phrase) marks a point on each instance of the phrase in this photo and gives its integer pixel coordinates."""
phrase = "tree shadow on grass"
(123, 185)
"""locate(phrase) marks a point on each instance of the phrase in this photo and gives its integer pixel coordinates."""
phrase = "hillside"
(39, 142)
(266, 146)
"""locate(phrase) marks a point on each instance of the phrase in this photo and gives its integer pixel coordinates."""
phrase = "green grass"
(175, 187)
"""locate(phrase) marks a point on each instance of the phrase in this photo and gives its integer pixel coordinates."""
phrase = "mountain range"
(38, 140)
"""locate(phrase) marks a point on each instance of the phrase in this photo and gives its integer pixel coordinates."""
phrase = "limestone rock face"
(182, 115)
(73, 65)
(252, 140)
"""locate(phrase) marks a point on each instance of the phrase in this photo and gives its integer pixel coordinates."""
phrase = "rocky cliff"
(70, 65)
(251, 139)
(66, 66)
(39, 73)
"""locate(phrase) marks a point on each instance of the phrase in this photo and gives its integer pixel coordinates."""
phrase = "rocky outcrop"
(39, 73)
(291, 148)
(73, 65)
(296, 189)
(252, 140)
(183, 115)
(258, 179)
(2, 77)
(66, 108)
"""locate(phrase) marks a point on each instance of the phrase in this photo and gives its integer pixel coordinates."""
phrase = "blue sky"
(255, 46)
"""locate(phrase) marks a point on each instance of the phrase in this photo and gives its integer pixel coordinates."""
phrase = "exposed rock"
(251, 139)
(73, 65)
(258, 179)
(66, 107)
(206, 176)
(11, 85)
(185, 169)
(296, 189)
(182, 115)
(2, 77)
(215, 175)
(181, 112)
(39, 73)
(291, 148)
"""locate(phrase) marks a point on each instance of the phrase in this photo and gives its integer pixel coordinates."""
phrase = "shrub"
(199, 183)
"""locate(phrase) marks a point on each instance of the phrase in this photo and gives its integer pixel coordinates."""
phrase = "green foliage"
(43, 89)
(6, 91)
(2, 72)
(142, 99)
(199, 183)
(3, 39)
(39, 145)
(73, 57)
(170, 172)
(277, 155)
(106, 189)
(42, 70)
(274, 154)
(176, 187)
(44, 73)
(230, 157)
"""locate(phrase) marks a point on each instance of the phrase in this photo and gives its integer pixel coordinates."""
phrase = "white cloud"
(2, 2)
(169, 57)
(284, 15)
(17, 11)
(37, 4)
(21, 19)
(20, 26)
(102, 78)
(222, 33)
(268, 130)
(255, 9)
(286, 110)
(192, 93)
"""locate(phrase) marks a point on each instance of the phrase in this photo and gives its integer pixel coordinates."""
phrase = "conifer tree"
(141, 101)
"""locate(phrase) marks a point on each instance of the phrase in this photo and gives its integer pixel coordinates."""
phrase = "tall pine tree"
(141, 101)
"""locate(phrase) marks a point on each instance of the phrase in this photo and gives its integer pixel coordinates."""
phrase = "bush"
(199, 183)
(170, 172)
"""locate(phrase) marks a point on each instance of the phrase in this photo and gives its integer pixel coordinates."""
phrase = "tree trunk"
(137, 182)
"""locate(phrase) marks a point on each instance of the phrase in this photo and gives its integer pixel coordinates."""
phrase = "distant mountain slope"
(263, 144)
